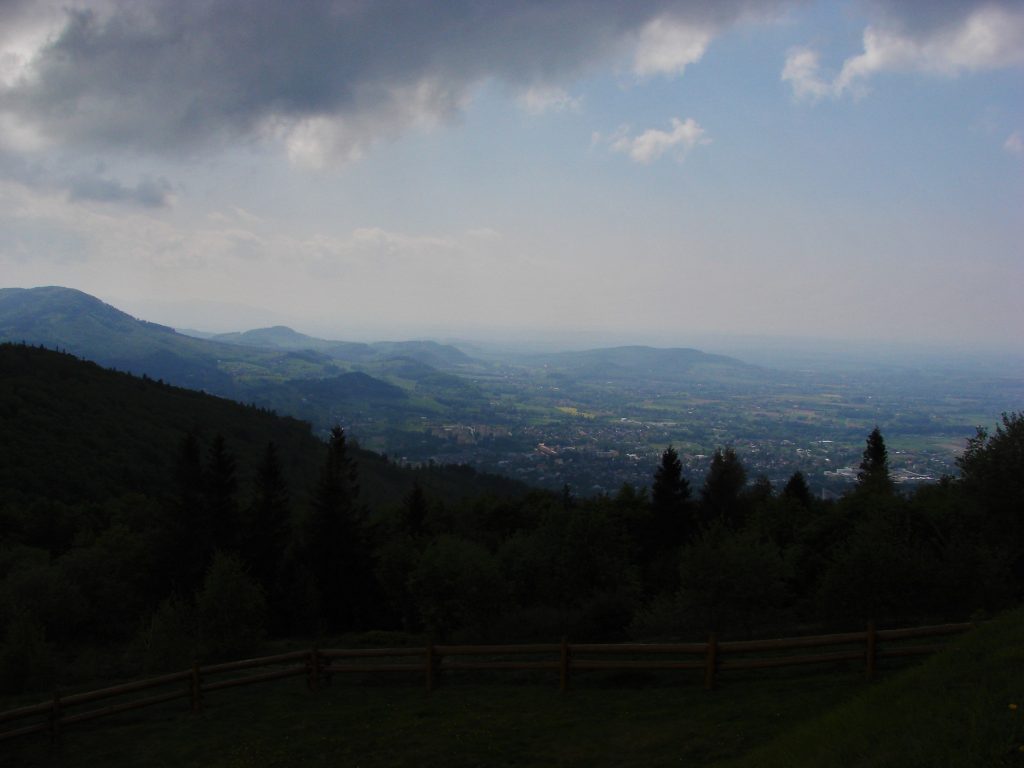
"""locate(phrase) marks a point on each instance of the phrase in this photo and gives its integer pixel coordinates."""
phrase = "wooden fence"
(429, 663)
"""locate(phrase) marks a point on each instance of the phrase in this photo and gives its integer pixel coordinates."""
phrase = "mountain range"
(379, 389)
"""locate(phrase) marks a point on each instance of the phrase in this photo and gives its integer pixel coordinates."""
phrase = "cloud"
(1014, 144)
(652, 143)
(667, 46)
(540, 99)
(327, 79)
(968, 39)
(801, 72)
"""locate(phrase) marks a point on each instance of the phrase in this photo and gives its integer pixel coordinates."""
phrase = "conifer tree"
(220, 486)
(263, 536)
(670, 497)
(722, 486)
(414, 511)
(334, 539)
(669, 526)
(874, 466)
(796, 488)
(186, 539)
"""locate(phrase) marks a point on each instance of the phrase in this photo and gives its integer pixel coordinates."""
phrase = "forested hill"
(75, 432)
(321, 381)
(143, 526)
(67, 319)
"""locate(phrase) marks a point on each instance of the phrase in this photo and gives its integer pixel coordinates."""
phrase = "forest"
(143, 526)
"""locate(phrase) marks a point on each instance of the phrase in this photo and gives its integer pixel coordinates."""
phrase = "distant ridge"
(680, 363)
(282, 337)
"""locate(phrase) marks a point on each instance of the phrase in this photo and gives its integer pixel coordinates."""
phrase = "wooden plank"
(114, 709)
(430, 667)
(356, 653)
(117, 690)
(870, 650)
(494, 650)
(37, 728)
(373, 668)
(908, 650)
(449, 665)
(250, 679)
(616, 648)
(33, 709)
(937, 629)
(564, 657)
(263, 661)
(625, 665)
(786, 643)
(788, 661)
(710, 662)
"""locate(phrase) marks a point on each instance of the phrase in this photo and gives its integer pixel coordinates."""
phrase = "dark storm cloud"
(919, 18)
(168, 74)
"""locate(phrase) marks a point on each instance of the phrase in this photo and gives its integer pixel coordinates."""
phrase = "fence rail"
(319, 665)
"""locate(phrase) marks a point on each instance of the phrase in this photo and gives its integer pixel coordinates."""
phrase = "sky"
(650, 171)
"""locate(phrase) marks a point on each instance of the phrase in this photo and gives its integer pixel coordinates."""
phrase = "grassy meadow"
(952, 710)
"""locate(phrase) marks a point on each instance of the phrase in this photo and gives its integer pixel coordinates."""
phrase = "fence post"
(196, 688)
(563, 667)
(55, 716)
(313, 670)
(710, 662)
(429, 664)
(870, 651)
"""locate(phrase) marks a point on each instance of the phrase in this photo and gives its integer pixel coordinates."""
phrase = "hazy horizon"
(760, 349)
(653, 172)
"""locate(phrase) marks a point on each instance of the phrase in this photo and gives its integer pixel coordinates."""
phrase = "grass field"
(952, 710)
(632, 721)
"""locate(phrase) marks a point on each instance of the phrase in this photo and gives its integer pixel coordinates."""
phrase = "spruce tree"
(264, 533)
(186, 541)
(220, 486)
(335, 545)
(670, 497)
(414, 511)
(722, 486)
(874, 466)
(796, 488)
(669, 526)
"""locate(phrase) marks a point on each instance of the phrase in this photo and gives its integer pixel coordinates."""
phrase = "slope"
(961, 708)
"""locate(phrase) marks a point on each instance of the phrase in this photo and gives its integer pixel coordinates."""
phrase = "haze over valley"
(590, 419)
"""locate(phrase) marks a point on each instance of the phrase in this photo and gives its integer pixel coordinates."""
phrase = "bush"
(170, 638)
(231, 608)
(457, 586)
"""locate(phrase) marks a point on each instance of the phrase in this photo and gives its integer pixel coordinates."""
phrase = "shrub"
(231, 608)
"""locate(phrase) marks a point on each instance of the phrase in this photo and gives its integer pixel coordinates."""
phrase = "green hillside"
(276, 368)
(960, 709)
(102, 433)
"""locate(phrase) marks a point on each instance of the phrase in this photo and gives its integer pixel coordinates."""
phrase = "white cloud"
(801, 72)
(667, 46)
(548, 98)
(990, 37)
(1014, 143)
(652, 143)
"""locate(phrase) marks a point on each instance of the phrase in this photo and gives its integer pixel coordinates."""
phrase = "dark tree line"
(216, 565)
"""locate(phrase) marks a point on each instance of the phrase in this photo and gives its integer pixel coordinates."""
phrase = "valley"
(590, 419)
